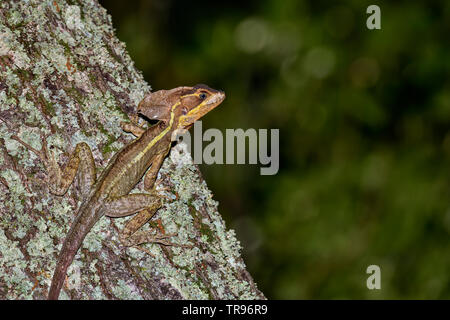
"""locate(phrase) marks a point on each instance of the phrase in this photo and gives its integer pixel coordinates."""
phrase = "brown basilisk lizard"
(177, 110)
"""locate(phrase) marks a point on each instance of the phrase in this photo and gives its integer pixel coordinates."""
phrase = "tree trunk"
(64, 75)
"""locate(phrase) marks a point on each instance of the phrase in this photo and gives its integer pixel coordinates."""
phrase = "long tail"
(80, 227)
(68, 252)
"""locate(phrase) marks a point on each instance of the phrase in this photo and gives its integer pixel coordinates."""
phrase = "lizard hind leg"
(80, 161)
(58, 180)
(133, 236)
(145, 205)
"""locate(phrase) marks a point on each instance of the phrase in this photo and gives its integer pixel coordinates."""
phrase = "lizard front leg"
(152, 173)
(130, 127)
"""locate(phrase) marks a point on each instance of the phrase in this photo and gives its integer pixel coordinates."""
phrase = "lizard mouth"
(195, 114)
(210, 104)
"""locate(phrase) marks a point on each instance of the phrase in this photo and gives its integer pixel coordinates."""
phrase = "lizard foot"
(151, 236)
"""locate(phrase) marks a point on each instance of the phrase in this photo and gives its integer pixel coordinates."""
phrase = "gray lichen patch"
(49, 53)
(65, 76)
(12, 264)
(125, 292)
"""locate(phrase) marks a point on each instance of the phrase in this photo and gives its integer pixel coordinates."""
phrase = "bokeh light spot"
(319, 62)
(252, 35)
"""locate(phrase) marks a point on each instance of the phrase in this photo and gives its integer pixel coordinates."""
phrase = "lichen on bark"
(64, 75)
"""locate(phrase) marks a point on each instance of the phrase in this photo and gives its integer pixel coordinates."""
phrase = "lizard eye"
(202, 95)
(184, 111)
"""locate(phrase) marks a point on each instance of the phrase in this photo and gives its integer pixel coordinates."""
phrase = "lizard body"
(177, 109)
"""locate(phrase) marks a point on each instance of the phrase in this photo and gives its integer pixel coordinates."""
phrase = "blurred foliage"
(364, 120)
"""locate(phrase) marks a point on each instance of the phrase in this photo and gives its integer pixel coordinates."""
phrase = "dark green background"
(364, 120)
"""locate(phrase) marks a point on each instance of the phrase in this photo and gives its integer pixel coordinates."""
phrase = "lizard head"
(182, 106)
(197, 102)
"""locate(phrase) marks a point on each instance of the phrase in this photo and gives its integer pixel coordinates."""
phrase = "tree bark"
(64, 75)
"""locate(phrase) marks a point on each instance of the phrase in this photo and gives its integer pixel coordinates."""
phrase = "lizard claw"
(42, 154)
